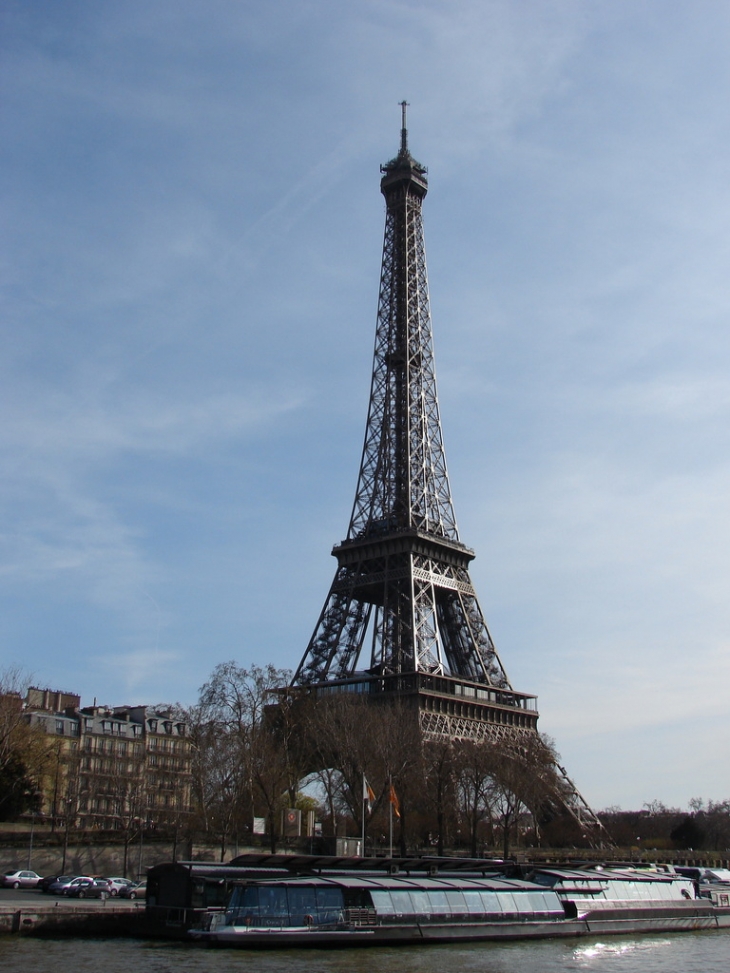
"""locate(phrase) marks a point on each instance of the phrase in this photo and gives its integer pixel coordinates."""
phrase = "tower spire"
(403, 129)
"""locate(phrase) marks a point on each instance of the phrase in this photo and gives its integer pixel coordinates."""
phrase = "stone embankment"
(97, 853)
(32, 914)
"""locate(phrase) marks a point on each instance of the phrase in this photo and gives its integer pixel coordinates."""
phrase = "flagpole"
(390, 814)
(364, 804)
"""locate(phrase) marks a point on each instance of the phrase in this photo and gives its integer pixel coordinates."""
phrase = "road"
(33, 898)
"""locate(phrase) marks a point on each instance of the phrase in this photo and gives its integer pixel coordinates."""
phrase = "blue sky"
(192, 240)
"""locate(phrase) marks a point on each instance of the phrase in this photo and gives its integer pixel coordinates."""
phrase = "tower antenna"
(403, 128)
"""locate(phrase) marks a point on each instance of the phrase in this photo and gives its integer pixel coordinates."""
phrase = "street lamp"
(65, 834)
(30, 845)
(139, 864)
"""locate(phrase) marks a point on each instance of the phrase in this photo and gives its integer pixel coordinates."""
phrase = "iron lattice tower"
(402, 589)
(403, 574)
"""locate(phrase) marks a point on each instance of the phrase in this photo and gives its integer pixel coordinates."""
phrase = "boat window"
(244, 905)
(401, 902)
(457, 905)
(507, 903)
(302, 904)
(540, 902)
(272, 900)
(235, 899)
(490, 902)
(382, 902)
(245, 897)
(420, 903)
(474, 903)
(329, 904)
(281, 905)
(439, 903)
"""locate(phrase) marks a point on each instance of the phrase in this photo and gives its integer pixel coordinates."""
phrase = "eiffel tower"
(402, 586)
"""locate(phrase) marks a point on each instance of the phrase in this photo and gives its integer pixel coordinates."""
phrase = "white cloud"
(138, 672)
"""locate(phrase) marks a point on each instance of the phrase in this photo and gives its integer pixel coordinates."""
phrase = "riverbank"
(33, 914)
(99, 853)
(104, 853)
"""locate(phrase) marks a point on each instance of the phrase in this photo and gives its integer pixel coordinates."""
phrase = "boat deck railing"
(361, 917)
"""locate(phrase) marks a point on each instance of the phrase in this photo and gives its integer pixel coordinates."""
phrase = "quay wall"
(77, 920)
(103, 853)
(94, 854)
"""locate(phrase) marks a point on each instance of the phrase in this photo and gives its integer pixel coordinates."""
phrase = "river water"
(705, 952)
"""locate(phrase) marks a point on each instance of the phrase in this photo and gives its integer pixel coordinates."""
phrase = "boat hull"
(690, 918)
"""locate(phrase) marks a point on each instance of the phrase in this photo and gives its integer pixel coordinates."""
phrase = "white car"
(117, 884)
(20, 879)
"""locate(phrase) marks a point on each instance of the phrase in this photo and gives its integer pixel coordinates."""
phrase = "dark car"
(64, 883)
(97, 888)
(45, 883)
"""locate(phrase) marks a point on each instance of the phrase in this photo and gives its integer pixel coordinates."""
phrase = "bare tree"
(527, 781)
(340, 730)
(243, 753)
(475, 787)
(350, 738)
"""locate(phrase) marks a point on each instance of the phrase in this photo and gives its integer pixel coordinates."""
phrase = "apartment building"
(113, 768)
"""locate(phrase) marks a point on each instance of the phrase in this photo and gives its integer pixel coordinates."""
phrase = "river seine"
(705, 952)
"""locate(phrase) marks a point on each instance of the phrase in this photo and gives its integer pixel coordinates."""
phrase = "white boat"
(358, 909)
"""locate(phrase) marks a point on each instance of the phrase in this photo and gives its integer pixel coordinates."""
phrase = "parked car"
(47, 882)
(96, 888)
(138, 891)
(79, 880)
(20, 879)
(63, 884)
(117, 884)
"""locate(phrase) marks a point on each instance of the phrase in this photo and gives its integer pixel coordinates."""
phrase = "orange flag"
(393, 798)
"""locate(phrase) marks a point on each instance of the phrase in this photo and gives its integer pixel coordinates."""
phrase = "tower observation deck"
(402, 619)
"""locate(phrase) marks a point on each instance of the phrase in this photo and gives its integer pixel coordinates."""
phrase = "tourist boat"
(375, 909)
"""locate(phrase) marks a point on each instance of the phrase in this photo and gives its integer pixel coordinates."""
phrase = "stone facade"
(112, 768)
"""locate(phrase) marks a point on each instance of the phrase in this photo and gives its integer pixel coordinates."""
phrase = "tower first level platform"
(448, 708)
